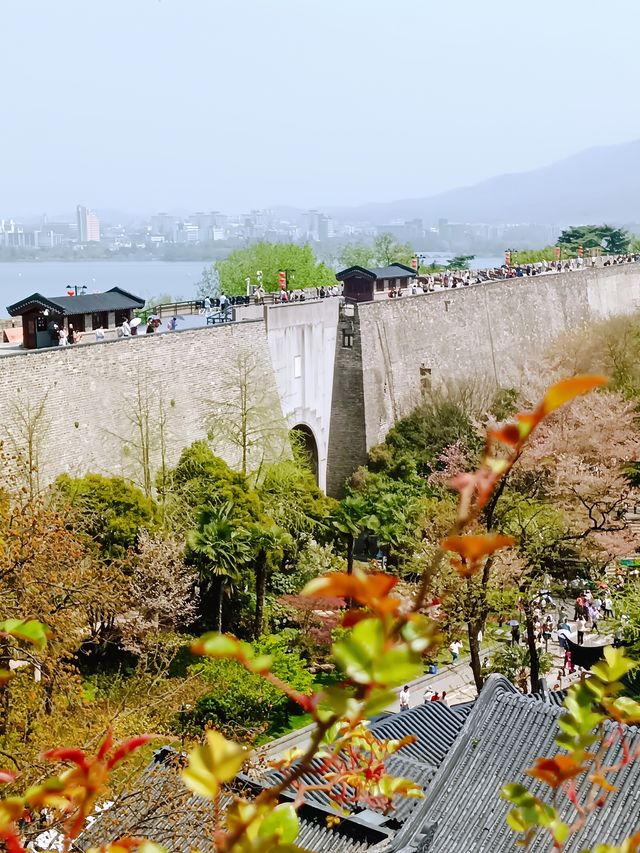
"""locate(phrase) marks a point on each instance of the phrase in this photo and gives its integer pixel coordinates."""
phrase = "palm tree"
(220, 549)
(267, 540)
(347, 519)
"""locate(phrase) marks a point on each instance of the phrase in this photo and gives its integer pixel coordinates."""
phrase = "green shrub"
(245, 704)
(110, 510)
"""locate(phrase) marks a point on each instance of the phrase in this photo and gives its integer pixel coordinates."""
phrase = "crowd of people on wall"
(298, 295)
(464, 278)
(426, 283)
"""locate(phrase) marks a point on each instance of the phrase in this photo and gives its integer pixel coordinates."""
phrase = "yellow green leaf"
(281, 823)
(210, 765)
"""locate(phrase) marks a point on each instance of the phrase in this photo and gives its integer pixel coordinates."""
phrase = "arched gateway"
(306, 440)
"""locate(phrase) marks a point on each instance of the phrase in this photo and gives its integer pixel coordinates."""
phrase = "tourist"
(224, 301)
(443, 698)
(515, 635)
(608, 607)
(151, 327)
(73, 337)
(581, 625)
(126, 328)
(428, 694)
(172, 324)
(594, 616)
(435, 697)
(207, 304)
(62, 337)
(454, 648)
(99, 334)
(404, 698)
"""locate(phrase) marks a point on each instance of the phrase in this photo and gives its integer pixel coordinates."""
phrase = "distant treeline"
(207, 252)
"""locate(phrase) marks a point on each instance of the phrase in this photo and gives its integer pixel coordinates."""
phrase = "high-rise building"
(188, 232)
(164, 225)
(88, 226)
(317, 226)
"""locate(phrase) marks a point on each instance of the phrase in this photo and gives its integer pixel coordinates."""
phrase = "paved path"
(456, 680)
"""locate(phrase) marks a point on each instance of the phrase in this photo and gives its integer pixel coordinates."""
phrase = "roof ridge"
(493, 688)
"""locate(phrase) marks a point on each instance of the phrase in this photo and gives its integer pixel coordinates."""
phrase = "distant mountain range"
(598, 185)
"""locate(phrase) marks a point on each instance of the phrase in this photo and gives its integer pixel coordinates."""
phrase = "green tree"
(218, 548)
(611, 240)
(299, 262)
(514, 662)
(357, 255)
(385, 508)
(202, 479)
(388, 250)
(460, 262)
(268, 543)
(435, 425)
(292, 499)
(384, 251)
(246, 418)
(242, 703)
(110, 510)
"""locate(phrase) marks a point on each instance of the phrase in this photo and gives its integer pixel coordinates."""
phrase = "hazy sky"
(145, 105)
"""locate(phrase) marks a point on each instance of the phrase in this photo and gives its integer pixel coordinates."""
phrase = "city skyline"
(309, 105)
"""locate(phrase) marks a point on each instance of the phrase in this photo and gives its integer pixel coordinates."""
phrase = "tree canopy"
(382, 252)
(110, 510)
(613, 241)
(299, 263)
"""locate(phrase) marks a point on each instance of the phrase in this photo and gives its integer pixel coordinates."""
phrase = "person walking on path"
(581, 625)
(454, 648)
(404, 698)
(608, 607)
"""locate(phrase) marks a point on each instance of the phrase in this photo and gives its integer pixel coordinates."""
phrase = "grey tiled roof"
(115, 299)
(435, 727)
(504, 734)
(162, 809)
(392, 271)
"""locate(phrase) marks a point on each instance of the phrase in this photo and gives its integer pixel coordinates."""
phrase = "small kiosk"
(85, 311)
(361, 284)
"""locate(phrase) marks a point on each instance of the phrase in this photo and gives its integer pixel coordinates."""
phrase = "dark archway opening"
(305, 444)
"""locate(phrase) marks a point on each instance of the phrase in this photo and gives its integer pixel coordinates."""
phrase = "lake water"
(178, 279)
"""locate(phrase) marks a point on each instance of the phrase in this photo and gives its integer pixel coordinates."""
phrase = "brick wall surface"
(347, 447)
(91, 394)
(495, 330)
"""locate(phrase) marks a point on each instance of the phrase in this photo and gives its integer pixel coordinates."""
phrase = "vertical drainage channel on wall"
(347, 431)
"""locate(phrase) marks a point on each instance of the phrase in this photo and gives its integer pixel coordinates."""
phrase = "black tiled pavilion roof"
(115, 299)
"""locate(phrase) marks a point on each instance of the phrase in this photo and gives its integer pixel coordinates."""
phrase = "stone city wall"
(494, 330)
(348, 377)
(93, 395)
